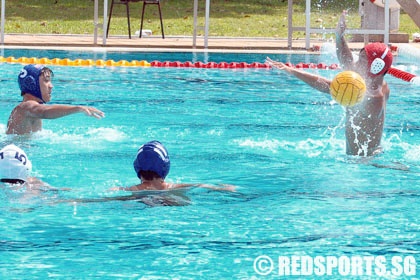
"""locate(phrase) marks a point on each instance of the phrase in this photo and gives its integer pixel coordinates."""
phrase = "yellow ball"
(348, 88)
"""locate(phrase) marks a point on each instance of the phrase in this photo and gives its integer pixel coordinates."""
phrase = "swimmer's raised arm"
(343, 51)
(318, 82)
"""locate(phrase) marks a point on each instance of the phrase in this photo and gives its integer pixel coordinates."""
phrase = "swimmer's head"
(379, 58)
(154, 157)
(28, 79)
(14, 164)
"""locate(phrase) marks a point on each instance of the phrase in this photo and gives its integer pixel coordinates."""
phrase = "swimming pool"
(278, 140)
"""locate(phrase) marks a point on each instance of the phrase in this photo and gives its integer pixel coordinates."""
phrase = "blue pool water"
(278, 140)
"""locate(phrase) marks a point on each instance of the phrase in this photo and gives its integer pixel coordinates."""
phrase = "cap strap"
(385, 53)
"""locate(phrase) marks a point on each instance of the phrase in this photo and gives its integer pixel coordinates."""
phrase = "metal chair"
(127, 3)
(153, 2)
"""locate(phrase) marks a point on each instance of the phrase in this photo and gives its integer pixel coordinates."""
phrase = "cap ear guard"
(378, 64)
(27, 83)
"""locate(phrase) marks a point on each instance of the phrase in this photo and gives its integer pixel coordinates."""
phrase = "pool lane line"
(400, 74)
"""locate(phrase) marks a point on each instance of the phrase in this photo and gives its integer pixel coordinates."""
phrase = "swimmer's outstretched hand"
(219, 187)
(93, 112)
(341, 25)
(228, 188)
(278, 65)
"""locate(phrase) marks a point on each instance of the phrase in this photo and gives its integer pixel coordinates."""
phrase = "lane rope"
(400, 74)
(143, 63)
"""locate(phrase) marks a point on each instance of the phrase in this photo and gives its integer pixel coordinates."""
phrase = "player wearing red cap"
(365, 120)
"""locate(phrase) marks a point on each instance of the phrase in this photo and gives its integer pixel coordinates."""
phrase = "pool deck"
(156, 43)
(170, 43)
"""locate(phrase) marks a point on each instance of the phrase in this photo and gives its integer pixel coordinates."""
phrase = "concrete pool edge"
(155, 43)
(169, 44)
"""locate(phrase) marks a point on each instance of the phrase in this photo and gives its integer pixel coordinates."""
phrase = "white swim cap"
(14, 164)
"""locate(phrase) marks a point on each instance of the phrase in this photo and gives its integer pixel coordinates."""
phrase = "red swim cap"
(379, 58)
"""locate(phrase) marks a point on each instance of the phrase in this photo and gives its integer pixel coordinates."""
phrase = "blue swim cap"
(152, 156)
(28, 80)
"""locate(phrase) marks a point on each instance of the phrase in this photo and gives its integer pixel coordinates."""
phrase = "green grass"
(232, 18)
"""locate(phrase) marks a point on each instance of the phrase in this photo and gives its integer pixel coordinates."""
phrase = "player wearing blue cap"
(35, 83)
(152, 165)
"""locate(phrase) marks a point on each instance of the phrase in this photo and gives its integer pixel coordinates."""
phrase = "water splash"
(310, 148)
(91, 139)
(409, 52)
(328, 53)
(108, 134)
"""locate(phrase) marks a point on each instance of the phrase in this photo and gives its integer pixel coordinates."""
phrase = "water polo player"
(152, 165)
(365, 120)
(35, 83)
(15, 167)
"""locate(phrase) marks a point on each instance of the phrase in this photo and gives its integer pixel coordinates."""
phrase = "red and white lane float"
(403, 75)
